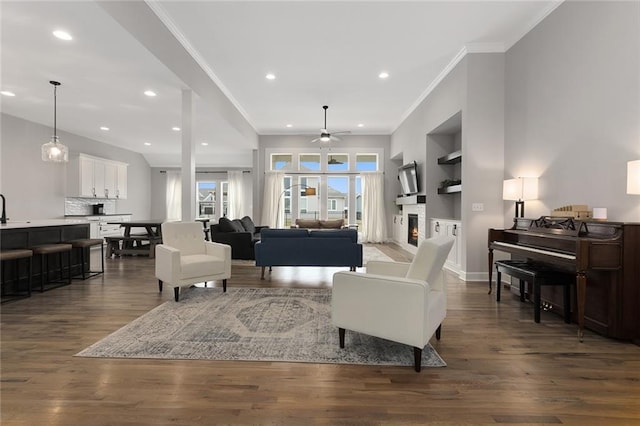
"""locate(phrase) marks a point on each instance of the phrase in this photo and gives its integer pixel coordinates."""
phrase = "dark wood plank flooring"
(502, 367)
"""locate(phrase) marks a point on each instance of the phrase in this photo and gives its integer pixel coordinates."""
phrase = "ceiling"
(321, 53)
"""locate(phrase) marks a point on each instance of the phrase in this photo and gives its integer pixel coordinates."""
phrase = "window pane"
(225, 198)
(337, 197)
(281, 161)
(338, 162)
(359, 200)
(309, 162)
(286, 199)
(308, 204)
(366, 162)
(206, 199)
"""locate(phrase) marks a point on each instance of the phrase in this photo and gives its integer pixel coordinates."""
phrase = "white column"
(188, 158)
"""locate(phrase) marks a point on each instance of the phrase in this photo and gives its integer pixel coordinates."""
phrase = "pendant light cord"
(55, 89)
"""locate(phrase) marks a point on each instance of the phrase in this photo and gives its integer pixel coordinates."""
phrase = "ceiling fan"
(325, 136)
(334, 161)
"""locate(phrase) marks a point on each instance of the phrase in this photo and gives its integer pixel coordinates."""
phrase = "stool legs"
(44, 269)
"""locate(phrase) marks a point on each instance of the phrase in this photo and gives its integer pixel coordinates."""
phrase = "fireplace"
(412, 229)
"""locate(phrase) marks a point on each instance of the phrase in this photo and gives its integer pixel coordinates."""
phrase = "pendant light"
(54, 150)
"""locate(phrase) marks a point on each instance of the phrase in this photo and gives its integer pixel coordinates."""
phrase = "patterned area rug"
(250, 324)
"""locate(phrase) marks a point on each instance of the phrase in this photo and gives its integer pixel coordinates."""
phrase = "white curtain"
(272, 211)
(174, 196)
(374, 222)
(236, 208)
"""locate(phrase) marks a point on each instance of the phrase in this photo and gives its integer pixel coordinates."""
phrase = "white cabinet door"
(110, 176)
(99, 178)
(121, 181)
(86, 173)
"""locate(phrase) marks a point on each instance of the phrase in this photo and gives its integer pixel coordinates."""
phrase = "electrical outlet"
(477, 207)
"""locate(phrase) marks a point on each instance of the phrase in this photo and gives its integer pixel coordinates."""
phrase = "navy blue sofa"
(302, 247)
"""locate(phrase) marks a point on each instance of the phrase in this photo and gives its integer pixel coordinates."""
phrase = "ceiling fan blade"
(343, 132)
(335, 138)
(315, 140)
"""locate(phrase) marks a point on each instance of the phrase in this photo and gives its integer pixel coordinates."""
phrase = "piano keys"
(604, 256)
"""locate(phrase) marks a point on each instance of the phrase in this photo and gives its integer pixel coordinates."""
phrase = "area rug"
(251, 324)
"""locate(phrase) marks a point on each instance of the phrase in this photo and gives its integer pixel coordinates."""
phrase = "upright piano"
(604, 256)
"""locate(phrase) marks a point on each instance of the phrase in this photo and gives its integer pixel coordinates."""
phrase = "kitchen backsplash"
(83, 206)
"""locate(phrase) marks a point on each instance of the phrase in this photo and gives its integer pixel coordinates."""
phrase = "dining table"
(139, 237)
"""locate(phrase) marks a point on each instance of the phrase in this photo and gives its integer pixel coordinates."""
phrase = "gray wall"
(563, 104)
(573, 107)
(36, 189)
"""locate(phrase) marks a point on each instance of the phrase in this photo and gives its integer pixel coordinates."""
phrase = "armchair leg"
(224, 285)
(176, 293)
(160, 285)
(341, 335)
(438, 331)
(417, 358)
(262, 276)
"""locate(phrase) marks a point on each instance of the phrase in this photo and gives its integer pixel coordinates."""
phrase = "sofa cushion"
(225, 225)
(351, 234)
(331, 224)
(268, 234)
(307, 223)
(237, 225)
(248, 224)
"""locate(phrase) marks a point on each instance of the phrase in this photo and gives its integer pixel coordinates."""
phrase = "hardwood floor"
(502, 367)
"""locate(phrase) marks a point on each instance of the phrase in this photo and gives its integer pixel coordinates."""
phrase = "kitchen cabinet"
(94, 177)
(451, 228)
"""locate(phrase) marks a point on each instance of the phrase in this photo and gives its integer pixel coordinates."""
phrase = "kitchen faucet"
(3, 219)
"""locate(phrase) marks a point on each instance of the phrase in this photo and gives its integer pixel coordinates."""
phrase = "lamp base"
(519, 208)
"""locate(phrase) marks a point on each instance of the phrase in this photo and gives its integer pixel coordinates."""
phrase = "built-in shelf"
(451, 158)
(411, 199)
(450, 189)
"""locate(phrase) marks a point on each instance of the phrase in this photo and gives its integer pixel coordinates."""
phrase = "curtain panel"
(374, 222)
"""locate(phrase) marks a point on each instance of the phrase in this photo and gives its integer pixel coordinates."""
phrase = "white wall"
(573, 108)
(36, 189)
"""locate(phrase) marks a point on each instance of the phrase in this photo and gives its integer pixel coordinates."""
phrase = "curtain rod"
(210, 171)
(326, 173)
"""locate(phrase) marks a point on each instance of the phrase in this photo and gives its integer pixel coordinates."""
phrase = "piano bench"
(537, 274)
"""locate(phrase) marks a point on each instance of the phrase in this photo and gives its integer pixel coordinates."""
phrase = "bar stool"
(44, 251)
(15, 255)
(84, 245)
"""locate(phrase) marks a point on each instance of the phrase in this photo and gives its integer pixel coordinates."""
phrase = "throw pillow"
(237, 225)
(307, 223)
(248, 224)
(331, 224)
(225, 225)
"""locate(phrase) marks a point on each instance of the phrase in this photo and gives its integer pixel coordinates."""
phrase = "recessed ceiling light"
(147, 143)
(270, 76)
(205, 144)
(150, 93)
(383, 75)
(7, 93)
(62, 35)
(104, 128)
(360, 125)
(289, 125)
(175, 129)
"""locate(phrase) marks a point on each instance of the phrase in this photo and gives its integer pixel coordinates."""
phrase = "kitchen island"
(29, 233)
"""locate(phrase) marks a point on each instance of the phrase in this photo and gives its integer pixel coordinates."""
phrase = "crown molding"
(532, 24)
(162, 14)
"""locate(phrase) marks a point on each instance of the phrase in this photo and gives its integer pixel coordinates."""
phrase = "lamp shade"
(633, 177)
(520, 189)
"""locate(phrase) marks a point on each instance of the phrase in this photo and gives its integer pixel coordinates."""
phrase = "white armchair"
(401, 302)
(185, 258)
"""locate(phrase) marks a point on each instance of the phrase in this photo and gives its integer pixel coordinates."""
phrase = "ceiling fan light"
(325, 138)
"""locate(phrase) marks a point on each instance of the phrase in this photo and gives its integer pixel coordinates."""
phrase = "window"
(309, 162)
(337, 197)
(281, 161)
(225, 198)
(337, 162)
(308, 205)
(206, 194)
(367, 162)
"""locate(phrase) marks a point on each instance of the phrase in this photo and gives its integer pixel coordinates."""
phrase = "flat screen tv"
(408, 177)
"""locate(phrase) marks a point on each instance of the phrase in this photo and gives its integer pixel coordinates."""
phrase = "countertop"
(40, 223)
